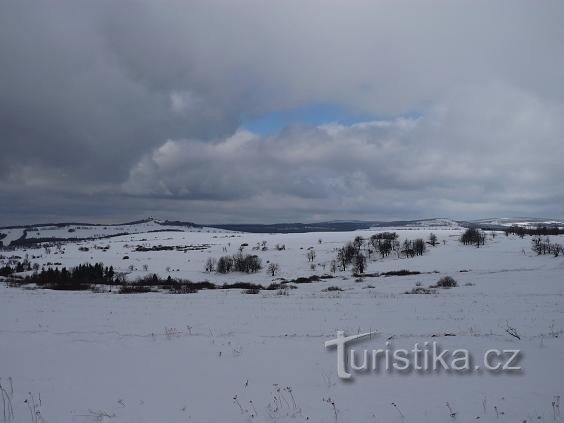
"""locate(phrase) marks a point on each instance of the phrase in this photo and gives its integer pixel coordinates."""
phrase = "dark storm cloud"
(112, 108)
(68, 103)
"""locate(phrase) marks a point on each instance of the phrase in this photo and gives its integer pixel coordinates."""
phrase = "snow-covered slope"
(76, 231)
(226, 356)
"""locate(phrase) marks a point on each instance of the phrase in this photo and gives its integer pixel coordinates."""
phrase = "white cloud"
(481, 151)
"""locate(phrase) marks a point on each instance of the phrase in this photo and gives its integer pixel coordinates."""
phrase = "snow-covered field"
(226, 356)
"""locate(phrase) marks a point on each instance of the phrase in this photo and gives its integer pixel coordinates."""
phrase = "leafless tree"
(359, 264)
(311, 254)
(210, 265)
(273, 268)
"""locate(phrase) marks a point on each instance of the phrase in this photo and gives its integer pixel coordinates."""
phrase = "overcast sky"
(269, 111)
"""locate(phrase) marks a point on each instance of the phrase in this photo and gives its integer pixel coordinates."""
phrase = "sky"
(263, 111)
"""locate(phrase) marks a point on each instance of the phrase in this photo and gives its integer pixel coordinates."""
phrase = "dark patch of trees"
(539, 230)
(473, 236)
(240, 262)
(400, 273)
(78, 278)
(6, 270)
(18, 267)
(141, 248)
(24, 242)
(91, 276)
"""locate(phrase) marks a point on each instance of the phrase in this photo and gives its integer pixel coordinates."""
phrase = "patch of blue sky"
(314, 115)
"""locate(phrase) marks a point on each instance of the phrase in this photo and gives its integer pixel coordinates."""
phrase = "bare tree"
(358, 242)
(333, 266)
(359, 264)
(342, 259)
(311, 254)
(419, 246)
(210, 265)
(273, 268)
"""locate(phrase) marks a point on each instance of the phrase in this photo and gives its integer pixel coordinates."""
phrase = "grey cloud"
(483, 150)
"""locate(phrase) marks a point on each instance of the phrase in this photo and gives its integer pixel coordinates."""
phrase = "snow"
(99, 231)
(159, 357)
(11, 235)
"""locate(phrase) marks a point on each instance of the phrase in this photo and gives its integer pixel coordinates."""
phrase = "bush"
(421, 290)
(401, 273)
(134, 289)
(182, 289)
(446, 282)
(306, 279)
(332, 289)
(241, 285)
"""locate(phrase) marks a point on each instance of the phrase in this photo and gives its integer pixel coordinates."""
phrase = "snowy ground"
(222, 356)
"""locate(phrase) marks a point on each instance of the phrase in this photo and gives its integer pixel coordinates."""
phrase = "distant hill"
(334, 226)
(34, 234)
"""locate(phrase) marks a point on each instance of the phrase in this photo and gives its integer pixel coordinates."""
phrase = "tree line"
(539, 230)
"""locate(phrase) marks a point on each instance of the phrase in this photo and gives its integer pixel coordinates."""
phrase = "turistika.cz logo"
(423, 357)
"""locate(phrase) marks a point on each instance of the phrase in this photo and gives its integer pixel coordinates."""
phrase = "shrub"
(6, 271)
(421, 290)
(446, 282)
(241, 285)
(306, 279)
(401, 273)
(182, 289)
(332, 289)
(134, 289)
(283, 291)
